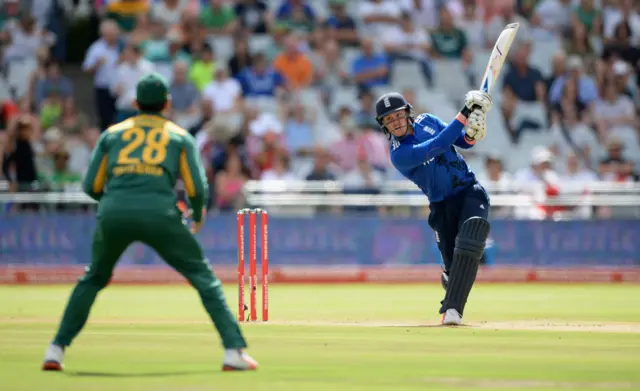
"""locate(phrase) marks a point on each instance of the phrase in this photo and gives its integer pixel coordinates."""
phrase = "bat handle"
(467, 111)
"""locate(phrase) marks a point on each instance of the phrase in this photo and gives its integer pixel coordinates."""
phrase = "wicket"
(264, 266)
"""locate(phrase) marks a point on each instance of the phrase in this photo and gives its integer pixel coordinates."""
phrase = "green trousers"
(174, 243)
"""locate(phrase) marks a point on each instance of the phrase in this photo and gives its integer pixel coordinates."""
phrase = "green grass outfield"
(333, 337)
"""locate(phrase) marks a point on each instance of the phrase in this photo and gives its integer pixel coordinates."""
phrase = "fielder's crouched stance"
(423, 151)
(138, 162)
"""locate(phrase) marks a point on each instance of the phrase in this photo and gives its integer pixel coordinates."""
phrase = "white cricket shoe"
(238, 360)
(53, 358)
(451, 318)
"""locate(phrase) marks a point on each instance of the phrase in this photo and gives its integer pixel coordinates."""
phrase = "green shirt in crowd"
(218, 18)
(449, 44)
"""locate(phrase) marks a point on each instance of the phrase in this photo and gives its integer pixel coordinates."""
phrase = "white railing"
(46, 198)
(510, 200)
(395, 193)
(405, 185)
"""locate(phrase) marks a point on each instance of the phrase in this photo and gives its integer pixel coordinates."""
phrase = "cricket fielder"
(423, 150)
(132, 174)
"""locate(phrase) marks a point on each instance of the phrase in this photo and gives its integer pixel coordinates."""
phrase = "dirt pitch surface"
(520, 325)
(525, 325)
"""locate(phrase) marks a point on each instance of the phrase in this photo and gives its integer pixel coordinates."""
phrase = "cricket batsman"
(132, 174)
(423, 150)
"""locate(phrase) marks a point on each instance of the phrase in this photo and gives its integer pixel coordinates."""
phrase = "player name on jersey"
(140, 169)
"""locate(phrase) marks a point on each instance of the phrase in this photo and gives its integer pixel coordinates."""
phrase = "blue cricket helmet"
(390, 103)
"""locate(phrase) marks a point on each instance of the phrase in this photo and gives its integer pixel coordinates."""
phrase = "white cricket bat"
(498, 56)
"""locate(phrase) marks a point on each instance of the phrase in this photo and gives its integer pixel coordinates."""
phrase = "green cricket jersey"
(135, 165)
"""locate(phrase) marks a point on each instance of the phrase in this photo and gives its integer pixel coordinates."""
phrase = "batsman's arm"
(96, 175)
(410, 156)
(194, 177)
(462, 141)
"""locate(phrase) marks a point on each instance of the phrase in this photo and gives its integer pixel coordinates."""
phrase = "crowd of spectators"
(284, 89)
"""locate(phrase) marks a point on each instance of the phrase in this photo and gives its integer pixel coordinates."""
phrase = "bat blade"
(498, 56)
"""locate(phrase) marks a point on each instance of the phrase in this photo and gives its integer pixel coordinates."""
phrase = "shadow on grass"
(143, 374)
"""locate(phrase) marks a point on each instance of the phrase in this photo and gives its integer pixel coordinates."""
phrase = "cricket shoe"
(238, 360)
(451, 317)
(53, 358)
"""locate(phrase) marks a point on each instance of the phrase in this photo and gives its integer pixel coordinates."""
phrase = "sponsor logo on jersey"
(395, 144)
(426, 128)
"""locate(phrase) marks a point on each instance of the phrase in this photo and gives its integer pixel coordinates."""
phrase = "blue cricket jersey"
(429, 159)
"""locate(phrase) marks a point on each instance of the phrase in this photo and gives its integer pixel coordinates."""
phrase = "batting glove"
(475, 129)
(477, 99)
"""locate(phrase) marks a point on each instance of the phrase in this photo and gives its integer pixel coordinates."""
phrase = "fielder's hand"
(477, 99)
(197, 226)
(475, 129)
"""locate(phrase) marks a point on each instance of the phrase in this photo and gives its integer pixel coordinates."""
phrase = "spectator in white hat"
(622, 78)
(540, 172)
(541, 182)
